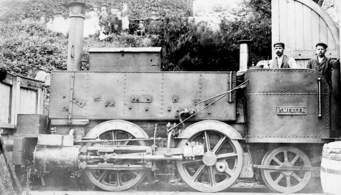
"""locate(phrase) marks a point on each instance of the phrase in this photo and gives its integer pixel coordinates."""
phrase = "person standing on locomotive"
(281, 60)
(322, 64)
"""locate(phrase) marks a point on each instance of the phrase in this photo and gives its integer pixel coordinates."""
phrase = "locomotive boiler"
(125, 118)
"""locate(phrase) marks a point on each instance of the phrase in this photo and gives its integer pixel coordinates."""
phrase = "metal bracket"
(110, 103)
(97, 98)
(175, 99)
(78, 101)
(141, 99)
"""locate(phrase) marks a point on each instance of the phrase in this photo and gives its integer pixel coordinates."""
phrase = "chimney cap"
(244, 41)
(68, 3)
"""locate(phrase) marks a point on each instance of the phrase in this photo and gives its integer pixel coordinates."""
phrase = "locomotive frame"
(212, 127)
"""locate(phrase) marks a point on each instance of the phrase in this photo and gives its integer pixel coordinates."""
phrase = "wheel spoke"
(297, 177)
(277, 161)
(229, 171)
(118, 178)
(295, 159)
(126, 142)
(227, 155)
(113, 137)
(198, 172)
(196, 161)
(285, 156)
(207, 140)
(279, 178)
(101, 177)
(288, 181)
(211, 175)
(219, 144)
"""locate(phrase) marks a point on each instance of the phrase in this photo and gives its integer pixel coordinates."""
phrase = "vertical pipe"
(76, 25)
(244, 54)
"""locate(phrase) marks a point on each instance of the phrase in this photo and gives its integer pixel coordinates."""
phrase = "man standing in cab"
(322, 64)
(281, 60)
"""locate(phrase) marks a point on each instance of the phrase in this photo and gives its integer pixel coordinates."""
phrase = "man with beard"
(322, 64)
(281, 60)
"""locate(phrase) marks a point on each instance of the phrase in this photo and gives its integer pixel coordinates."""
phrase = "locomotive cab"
(287, 106)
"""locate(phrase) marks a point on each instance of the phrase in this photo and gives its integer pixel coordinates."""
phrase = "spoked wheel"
(117, 180)
(220, 166)
(284, 174)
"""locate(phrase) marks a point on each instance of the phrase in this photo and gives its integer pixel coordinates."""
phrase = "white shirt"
(291, 61)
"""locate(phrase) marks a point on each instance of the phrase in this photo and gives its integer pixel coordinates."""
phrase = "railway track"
(146, 193)
(163, 188)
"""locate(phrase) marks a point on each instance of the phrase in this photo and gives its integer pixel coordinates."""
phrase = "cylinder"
(244, 51)
(331, 168)
(55, 158)
(76, 25)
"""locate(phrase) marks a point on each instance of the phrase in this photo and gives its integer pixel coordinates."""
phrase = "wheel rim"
(283, 180)
(220, 166)
(114, 180)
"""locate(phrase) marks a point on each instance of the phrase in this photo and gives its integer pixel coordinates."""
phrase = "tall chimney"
(76, 25)
(244, 54)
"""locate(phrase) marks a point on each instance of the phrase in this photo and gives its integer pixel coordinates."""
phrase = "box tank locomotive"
(124, 119)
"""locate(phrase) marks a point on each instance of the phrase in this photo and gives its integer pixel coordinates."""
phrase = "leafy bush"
(141, 9)
(190, 46)
(27, 46)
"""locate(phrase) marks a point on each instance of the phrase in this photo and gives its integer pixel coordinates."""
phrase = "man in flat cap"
(281, 60)
(322, 64)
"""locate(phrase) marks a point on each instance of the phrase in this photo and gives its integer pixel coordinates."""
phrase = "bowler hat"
(280, 44)
(325, 46)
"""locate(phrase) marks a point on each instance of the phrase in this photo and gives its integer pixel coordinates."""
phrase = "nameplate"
(291, 110)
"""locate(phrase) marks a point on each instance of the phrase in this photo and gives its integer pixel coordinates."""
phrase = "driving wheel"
(284, 173)
(218, 168)
(120, 179)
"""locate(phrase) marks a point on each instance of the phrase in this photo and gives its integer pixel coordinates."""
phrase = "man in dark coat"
(322, 64)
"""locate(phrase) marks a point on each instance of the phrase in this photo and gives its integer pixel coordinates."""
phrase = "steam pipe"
(76, 27)
(244, 54)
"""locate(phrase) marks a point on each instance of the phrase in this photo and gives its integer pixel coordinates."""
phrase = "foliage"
(191, 46)
(141, 9)
(27, 46)
(33, 9)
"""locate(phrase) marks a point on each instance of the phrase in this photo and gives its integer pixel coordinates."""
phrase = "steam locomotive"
(124, 118)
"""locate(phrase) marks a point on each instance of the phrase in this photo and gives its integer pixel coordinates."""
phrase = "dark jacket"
(325, 67)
